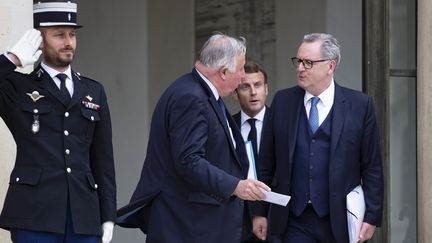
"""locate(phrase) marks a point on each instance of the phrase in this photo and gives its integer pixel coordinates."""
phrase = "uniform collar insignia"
(89, 98)
(35, 96)
(39, 72)
(78, 75)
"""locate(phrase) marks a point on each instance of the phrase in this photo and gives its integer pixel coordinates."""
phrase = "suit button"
(66, 132)
(313, 140)
(312, 153)
(68, 170)
(66, 114)
(67, 151)
(17, 179)
(96, 186)
(35, 111)
(92, 118)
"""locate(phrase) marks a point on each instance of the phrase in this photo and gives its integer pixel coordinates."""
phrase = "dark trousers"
(28, 236)
(307, 228)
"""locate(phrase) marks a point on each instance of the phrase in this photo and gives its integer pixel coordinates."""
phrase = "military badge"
(35, 96)
(90, 105)
(35, 125)
(89, 98)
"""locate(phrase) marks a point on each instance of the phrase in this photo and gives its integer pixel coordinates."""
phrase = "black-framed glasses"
(307, 64)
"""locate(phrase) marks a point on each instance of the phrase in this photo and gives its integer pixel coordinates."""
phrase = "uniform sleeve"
(7, 91)
(102, 162)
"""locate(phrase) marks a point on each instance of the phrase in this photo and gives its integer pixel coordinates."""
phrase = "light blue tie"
(313, 114)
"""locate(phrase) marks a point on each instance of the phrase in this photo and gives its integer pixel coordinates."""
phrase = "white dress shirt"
(325, 103)
(245, 126)
(53, 73)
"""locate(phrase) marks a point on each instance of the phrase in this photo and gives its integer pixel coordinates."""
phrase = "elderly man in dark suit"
(193, 182)
(322, 141)
(62, 188)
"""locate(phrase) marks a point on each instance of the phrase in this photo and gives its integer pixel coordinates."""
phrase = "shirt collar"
(326, 97)
(52, 72)
(260, 116)
(211, 86)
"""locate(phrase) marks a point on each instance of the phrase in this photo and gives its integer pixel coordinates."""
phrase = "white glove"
(26, 49)
(107, 229)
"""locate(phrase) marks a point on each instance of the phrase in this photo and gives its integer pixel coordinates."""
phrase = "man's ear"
(332, 66)
(222, 72)
(235, 94)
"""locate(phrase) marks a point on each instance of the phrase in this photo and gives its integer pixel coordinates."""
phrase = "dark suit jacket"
(247, 226)
(53, 165)
(190, 171)
(354, 156)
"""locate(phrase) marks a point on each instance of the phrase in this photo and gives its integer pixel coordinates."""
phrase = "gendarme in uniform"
(64, 165)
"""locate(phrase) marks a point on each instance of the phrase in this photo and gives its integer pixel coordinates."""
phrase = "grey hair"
(221, 51)
(330, 48)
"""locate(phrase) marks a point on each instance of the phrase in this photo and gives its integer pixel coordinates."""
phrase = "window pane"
(402, 34)
(403, 203)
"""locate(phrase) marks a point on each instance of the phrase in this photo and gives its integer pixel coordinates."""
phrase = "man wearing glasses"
(321, 142)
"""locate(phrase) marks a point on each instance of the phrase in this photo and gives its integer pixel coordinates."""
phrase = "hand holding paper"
(355, 212)
(251, 190)
(271, 197)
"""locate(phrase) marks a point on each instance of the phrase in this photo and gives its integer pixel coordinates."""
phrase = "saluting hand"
(26, 49)
(250, 190)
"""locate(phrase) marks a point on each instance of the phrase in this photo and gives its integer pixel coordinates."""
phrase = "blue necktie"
(222, 106)
(313, 114)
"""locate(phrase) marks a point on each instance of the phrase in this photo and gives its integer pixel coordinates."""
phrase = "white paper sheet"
(276, 198)
(355, 213)
(271, 197)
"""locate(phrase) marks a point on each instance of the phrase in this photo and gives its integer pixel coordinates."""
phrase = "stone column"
(16, 16)
(424, 120)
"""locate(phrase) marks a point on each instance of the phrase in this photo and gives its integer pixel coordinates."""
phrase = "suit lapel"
(222, 120)
(237, 119)
(221, 117)
(339, 114)
(293, 121)
(266, 114)
(79, 89)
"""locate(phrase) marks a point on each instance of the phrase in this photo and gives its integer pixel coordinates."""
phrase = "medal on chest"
(35, 127)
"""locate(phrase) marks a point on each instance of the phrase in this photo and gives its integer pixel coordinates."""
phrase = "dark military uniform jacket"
(64, 153)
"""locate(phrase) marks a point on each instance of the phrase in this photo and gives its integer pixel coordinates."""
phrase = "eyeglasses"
(307, 64)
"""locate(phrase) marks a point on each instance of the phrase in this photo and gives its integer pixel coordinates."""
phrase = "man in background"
(252, 95)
